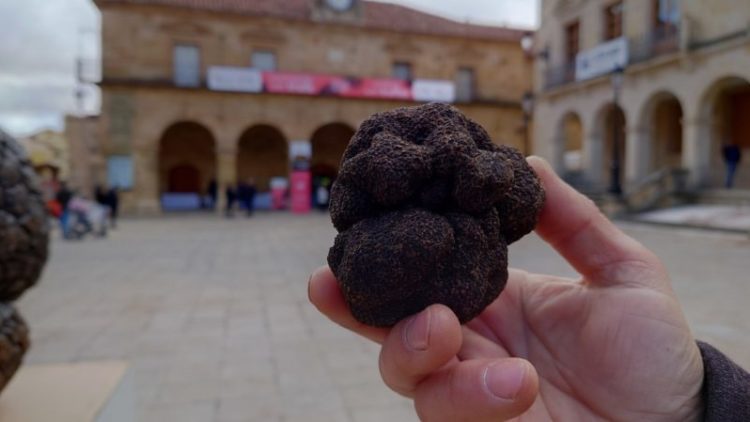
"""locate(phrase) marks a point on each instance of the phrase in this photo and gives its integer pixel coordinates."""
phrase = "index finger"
(590, 242)
(325, 294)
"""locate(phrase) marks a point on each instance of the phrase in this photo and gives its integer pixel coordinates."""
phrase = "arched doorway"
(664, 128)
(187, 164)
(328, 145)
(571, 144)
(611, 129)
(262, 155)
(726, 107)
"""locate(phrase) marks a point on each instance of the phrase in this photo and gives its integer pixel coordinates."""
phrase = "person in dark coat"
(246, 192)
(213, 193)
(732, 156)
(63, 197)
(113, 202)
(231, 195)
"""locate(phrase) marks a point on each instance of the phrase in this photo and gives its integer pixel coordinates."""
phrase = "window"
(465, 84)
(187, 65)
(572, 32)
(402, 70)
(613, 21)
(263, 60)
(666, 13)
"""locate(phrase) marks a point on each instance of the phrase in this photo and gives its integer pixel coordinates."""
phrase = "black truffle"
(24, 228)
(14, 342)
(426, 206)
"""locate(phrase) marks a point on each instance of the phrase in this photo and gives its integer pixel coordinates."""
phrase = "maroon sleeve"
(726, 388)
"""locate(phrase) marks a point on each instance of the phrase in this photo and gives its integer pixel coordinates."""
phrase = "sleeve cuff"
(726, 388)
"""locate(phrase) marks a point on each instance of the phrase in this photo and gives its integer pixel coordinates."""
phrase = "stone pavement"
(214, 318)
(721, 217)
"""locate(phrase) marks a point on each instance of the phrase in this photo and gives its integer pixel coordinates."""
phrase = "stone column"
(637, 154)
(696, 154)
(226, 173)
(594, 159)
(146, 179)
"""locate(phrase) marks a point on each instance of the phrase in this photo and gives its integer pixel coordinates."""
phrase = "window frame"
(268, 51)
(571, 54)
(175, 79)
(405, 64)
(612, 27)
(472, 94)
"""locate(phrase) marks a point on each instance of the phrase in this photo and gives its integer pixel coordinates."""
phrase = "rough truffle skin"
(14, 342)
(426, 206)
(24, 231)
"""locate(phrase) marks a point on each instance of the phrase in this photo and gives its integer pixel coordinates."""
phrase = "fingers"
(419, 346)
(478, 390)
(594, 246)
(324, 292)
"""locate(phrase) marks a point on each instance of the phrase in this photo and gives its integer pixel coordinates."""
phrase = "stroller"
(87, 217)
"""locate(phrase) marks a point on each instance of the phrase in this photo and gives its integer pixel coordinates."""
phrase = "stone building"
(667, 81)
(194, 91)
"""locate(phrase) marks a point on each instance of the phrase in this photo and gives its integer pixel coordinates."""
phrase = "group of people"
(243, 195)
(80, 216)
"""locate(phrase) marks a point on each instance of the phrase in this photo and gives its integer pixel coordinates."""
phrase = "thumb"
(478, 390)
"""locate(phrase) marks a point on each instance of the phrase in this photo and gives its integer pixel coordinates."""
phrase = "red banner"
(336, 86)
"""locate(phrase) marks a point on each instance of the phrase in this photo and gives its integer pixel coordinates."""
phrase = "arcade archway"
(328, 145)
(262, 155)
(187, 164)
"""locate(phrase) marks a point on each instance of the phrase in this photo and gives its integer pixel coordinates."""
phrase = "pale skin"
(612, 345)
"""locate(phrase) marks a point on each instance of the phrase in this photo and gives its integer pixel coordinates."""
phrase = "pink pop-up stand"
(301, 191)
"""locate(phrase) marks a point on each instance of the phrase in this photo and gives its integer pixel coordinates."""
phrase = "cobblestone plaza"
(213, 317)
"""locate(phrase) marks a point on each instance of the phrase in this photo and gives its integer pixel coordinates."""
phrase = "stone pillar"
(226, 173)
(594, 159)
(637, 154)
(696, 154)
(146, 183)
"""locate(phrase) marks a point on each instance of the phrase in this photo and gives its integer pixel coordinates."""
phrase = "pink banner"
(301, 192)
(337, 86)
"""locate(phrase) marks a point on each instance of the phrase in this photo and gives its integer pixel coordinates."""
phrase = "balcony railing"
(662, 40)
(560, 75)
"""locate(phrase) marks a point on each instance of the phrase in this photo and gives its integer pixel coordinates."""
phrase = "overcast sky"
(42, 38)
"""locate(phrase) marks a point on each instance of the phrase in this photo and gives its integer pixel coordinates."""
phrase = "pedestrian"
(100, 195)
(322, 193)
(63, 197)
(231, 195)
(212, 191)
(113, 202)
(732, 156)
(612, 344)
(250, 191)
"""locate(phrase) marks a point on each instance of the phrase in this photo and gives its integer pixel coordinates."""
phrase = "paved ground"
(726, 217)
(213, 315)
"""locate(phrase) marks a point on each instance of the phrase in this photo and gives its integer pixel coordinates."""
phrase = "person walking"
(63, 197)
(732, 156)
(231, 195)
(246, 192)
(113, 202)
(213, 193)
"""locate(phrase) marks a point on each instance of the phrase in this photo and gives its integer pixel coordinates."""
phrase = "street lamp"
(527, 103)
(616, 185)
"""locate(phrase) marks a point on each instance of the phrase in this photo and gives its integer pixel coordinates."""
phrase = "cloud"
(37, 69)
(521, 13)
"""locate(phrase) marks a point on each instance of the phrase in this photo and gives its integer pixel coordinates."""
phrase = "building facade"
(627, 89)
(195, 91)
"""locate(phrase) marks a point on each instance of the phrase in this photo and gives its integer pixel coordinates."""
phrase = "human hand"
(613, 345)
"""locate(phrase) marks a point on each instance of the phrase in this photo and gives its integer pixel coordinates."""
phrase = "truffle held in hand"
(426, 206)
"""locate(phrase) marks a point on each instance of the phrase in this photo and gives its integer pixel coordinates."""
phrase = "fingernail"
(504, 379)
(417, 331)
